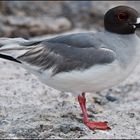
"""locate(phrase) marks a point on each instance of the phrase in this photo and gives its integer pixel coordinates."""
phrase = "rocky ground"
(30, 109)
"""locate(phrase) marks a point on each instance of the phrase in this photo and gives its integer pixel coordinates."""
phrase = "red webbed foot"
(97, 125)
(90, 124)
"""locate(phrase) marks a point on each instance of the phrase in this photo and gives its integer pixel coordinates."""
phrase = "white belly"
(96, 78)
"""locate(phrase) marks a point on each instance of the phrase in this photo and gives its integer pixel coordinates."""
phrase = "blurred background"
(35, 18)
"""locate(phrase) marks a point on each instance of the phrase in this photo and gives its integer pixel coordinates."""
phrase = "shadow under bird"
(82, 62)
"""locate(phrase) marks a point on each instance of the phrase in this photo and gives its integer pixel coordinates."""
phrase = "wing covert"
(63, 57)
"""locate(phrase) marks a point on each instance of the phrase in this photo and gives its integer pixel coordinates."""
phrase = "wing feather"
(63, 57)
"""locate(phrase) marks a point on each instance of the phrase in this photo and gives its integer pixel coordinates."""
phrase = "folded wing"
(61, 57)
(61, 54)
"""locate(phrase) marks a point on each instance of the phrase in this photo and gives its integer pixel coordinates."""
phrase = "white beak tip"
(138, 20)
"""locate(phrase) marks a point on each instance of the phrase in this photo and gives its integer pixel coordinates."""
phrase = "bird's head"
(122, 20)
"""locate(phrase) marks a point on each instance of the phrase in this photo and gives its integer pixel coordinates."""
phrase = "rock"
(110, 97)
(42, 127)
(65, 129)
(131, 115)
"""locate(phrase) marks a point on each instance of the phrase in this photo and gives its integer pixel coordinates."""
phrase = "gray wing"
(80, 40)
(63, 57)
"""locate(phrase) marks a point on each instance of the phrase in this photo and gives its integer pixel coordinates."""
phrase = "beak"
(137, 23)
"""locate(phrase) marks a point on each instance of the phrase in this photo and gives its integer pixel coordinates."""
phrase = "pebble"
(110, 98)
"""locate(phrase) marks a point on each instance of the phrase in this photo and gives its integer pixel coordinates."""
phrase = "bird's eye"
(122, 16)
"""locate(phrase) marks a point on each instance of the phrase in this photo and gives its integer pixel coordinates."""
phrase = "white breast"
(94, 79)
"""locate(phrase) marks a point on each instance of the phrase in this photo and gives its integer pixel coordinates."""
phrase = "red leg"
(91, 125)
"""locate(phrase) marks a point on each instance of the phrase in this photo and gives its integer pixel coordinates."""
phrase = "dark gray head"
(122, 20)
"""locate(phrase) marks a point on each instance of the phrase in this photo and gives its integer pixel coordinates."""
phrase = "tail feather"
(12, 48)
(12, 51)
(7, 57)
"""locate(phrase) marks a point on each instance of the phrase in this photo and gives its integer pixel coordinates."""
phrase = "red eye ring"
(122, 16)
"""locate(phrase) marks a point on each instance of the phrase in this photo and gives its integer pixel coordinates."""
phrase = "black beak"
(137, 24)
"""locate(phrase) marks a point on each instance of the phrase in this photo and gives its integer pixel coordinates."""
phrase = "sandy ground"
(30, 109)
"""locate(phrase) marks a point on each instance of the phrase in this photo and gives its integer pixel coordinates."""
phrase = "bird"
(82, 62)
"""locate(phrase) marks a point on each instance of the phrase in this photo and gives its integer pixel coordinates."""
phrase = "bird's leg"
(90, 124)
